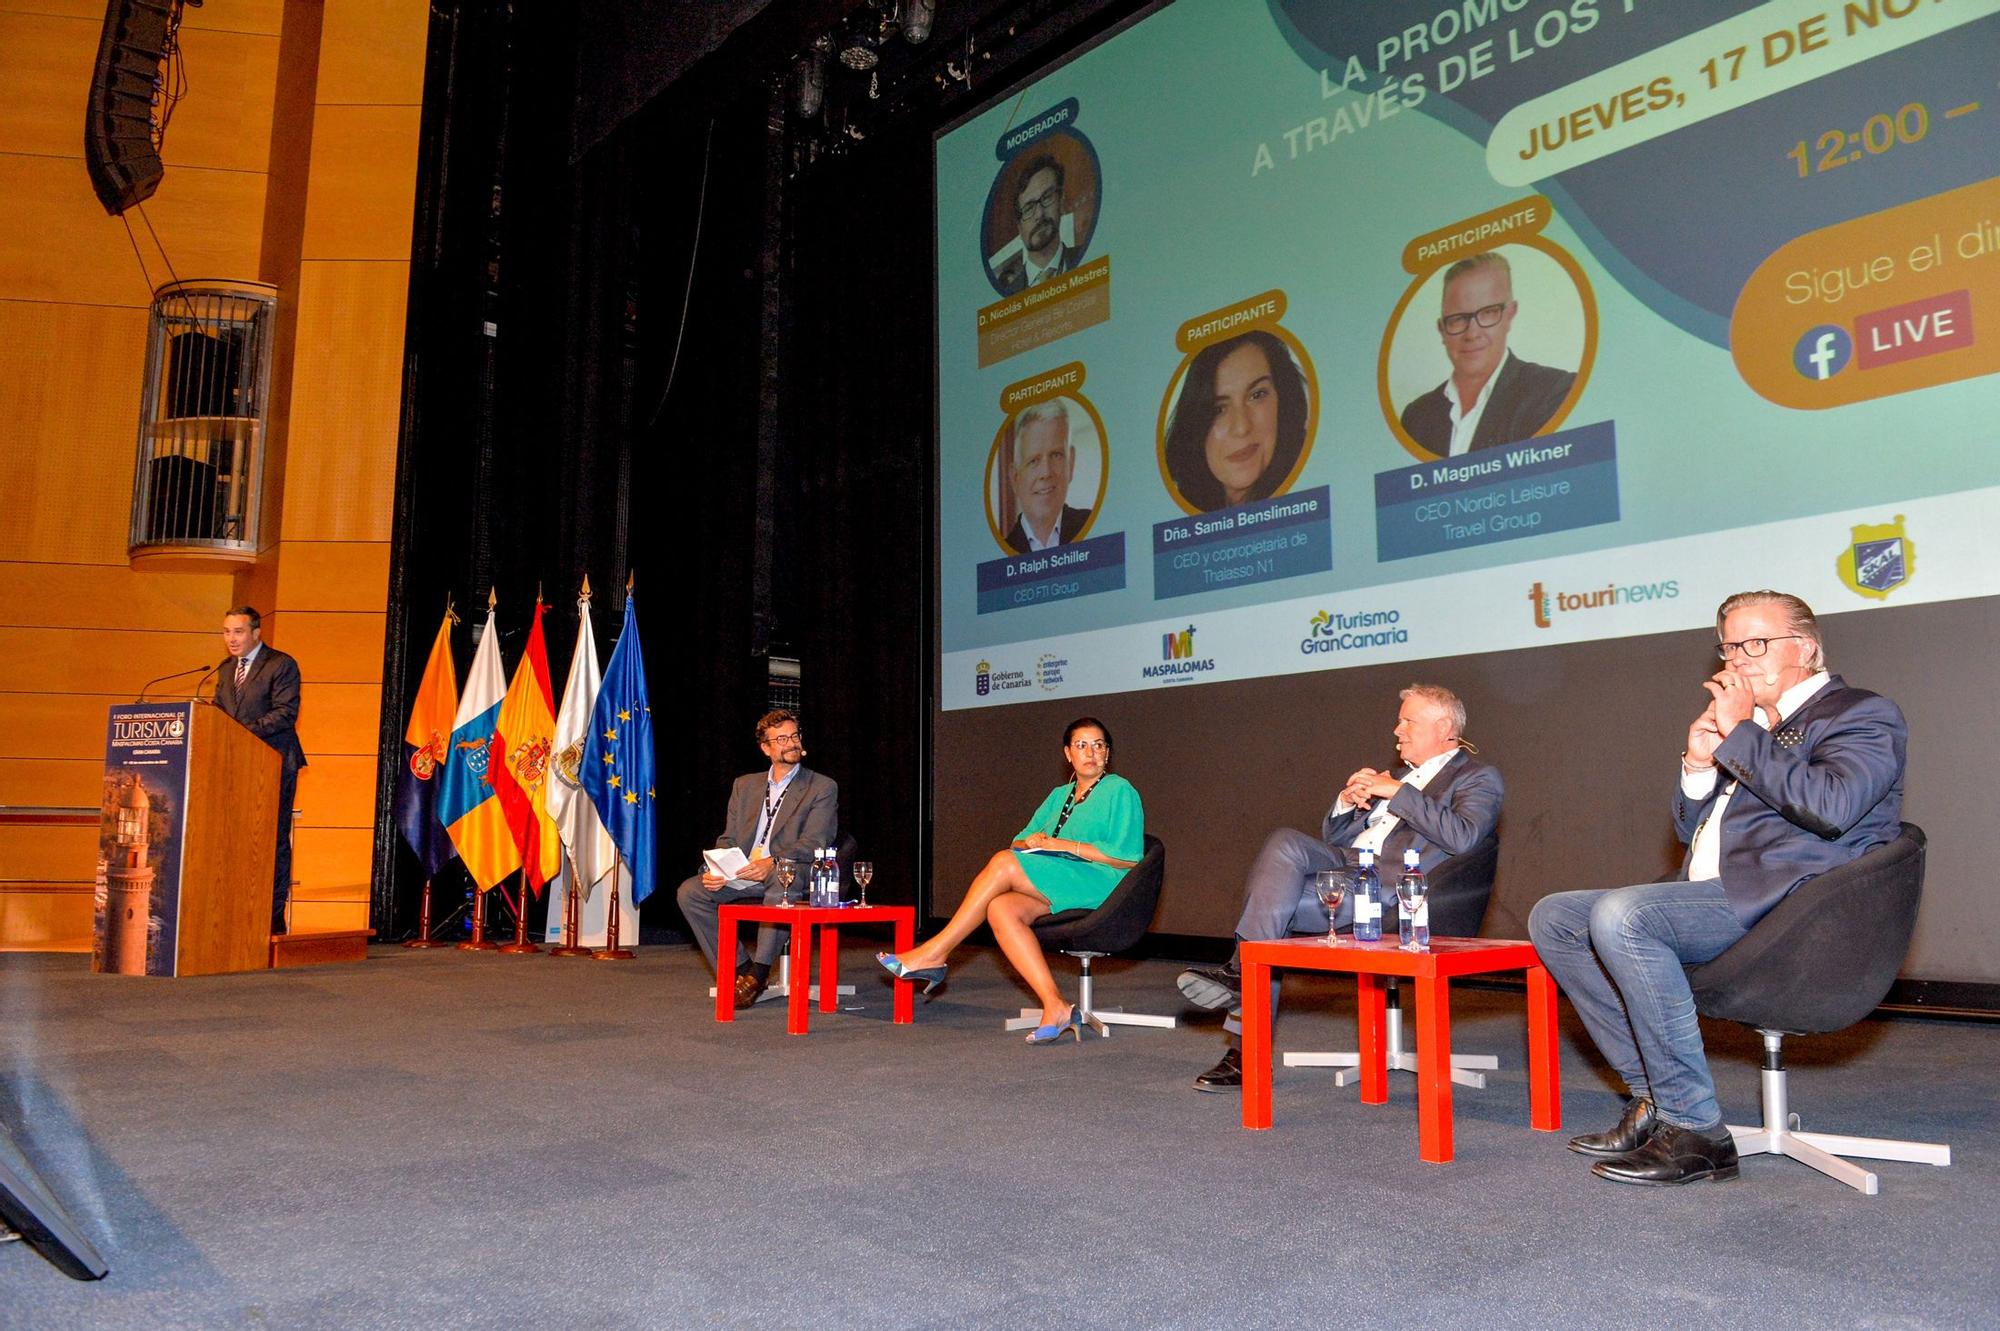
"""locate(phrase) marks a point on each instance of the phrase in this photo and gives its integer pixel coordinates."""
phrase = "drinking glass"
(863, 871)
(1332, 886)
(787, 871)
(1410, 895)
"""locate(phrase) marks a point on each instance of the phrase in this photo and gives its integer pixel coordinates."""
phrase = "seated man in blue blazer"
(1447, 803)
(1788, 772)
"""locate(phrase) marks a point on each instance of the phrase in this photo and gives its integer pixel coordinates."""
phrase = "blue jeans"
(1618, 955)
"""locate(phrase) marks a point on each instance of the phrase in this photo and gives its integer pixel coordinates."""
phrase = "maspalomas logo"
(1878, 559)
(1344, 632)
(1177, 658)
(982, 678)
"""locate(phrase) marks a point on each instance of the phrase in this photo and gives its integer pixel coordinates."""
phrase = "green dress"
(1110, 818)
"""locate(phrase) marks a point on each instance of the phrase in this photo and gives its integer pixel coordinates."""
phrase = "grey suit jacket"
(1450, 816)
(808, 818)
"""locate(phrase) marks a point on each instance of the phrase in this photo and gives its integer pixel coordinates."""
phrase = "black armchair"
(1776, 979)
(1114, 926)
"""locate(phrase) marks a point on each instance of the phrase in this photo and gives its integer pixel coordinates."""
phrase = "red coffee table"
(802, 920)
(1432, 973)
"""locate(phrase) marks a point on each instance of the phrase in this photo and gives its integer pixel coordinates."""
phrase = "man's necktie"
(242, 670)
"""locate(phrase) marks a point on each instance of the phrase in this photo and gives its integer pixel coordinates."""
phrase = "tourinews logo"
(1177, 658)
(1548, 604)
(1346, 633)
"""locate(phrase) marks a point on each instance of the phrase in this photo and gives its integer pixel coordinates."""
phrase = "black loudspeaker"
(118, 125)
(27, 1208)
(202, 370)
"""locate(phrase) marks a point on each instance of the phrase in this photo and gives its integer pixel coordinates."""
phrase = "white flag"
(591, 850)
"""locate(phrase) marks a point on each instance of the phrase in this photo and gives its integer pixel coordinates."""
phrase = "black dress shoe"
(1674, 1155)
(1211, 987)
(748, 990)
(1632, 1132)
(1224, 1076)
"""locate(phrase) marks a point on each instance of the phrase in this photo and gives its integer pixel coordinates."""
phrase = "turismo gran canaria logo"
(1345, 632)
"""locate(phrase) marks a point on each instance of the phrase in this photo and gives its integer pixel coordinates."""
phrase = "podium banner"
(141, 840)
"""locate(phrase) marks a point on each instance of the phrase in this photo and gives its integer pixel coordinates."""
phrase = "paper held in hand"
(727, 862)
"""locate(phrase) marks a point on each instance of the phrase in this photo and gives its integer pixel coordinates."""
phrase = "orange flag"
(522, 746)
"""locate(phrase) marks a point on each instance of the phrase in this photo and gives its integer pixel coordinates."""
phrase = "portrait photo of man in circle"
(1238, 430)
(1041, 214)
(1037, 467)
(1493, 396)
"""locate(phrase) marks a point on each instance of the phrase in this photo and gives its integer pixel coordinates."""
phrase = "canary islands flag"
(618, 757)
(426, 742)
(467, 803)
(521, 751)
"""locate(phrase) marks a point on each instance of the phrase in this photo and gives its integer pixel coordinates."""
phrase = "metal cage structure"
(197, 488)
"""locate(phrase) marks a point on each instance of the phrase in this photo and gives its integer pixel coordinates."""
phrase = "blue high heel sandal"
(930, 977)
(1070, 1025)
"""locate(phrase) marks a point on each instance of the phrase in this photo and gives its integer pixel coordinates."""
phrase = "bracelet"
(1690, 768)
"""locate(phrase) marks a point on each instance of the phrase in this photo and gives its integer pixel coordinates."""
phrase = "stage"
(446, 1139)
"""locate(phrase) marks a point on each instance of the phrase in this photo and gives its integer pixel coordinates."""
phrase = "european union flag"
(618, 758)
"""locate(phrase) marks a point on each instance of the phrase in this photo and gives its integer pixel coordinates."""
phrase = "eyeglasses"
(795, 736)
(1090, 746)
(1485, 316)
(1048, 201)
(1750, 647)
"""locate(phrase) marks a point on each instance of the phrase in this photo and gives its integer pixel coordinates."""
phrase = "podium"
(186, 848)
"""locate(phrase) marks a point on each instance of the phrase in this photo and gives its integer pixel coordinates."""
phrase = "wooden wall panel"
(112, 661)
(363, 188)
(334, 575)
(346, 399)
(49, 854)
(76, 783)
(337, 790)
(327, 916)
(340, 719)
(113, 596)
(333, 861)
(372, 52)
(332, 648)
(69, 410)
(48, 60)
(54, 725)
(45, 920)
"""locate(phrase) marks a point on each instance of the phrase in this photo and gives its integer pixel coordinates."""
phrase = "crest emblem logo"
(531, 763)
(426, 760)
(982, 678)
(1879, 559)
(569, 764)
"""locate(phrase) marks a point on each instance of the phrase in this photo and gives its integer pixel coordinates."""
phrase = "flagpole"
(478, 943)
(613, 952)
(521, 944)
(423, 938)
(572, 945)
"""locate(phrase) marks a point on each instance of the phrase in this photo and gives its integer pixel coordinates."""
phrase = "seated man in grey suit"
(784, 813)
(1444, 806)
(1787, 773)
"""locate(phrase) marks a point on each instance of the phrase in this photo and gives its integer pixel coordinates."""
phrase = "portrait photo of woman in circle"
(1239, 429)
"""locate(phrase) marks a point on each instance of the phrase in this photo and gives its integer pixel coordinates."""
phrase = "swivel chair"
(1114, 926)
(1819, 962)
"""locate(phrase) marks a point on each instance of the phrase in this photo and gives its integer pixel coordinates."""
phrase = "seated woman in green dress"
(1087, 833)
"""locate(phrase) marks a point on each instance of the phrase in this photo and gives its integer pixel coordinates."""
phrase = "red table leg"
(801, 981)
(829, 968)
(1544, 1054)
(1433, 1069)
(1256, 1045)
(906, 938)
(1369, 1015)
(725, 967)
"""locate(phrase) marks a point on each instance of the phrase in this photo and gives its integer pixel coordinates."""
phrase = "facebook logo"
(1823, 352)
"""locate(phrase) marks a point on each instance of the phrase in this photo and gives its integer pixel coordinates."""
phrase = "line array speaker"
(118, 125)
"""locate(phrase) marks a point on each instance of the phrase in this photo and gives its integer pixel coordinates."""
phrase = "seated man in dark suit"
(1039, 208)
(1447, 803)
(1493, 397)
(1042, 462)
(783, 813)
(258, 685)
(1788, 772)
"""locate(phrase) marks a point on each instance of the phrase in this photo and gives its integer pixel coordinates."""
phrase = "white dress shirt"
(1465, 422)
(1380, 821)
(1706, 859)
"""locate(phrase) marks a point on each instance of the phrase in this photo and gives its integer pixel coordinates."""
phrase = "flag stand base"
(616, 954)
(423, 938)
(572, 910)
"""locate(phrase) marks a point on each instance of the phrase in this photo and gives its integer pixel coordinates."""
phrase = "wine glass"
(1331, 886)
(863, 871)
(1410, 896)
(787, 871)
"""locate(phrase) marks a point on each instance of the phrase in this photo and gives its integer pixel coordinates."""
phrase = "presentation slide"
(1281, 337)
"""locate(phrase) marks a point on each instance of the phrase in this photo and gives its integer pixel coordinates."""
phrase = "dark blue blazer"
(1817, 792)
(1450, 816)
(268, 703)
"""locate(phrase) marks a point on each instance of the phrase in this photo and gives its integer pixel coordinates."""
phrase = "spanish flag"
(522, 749)
(426, 742)
(468, 806)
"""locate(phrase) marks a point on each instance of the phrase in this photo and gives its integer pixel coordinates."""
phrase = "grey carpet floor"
(448, 1140)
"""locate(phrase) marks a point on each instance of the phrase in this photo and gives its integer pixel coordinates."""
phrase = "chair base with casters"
(1392, 1026)
(781, 985)
(1097, 1018)
(1821, 1150)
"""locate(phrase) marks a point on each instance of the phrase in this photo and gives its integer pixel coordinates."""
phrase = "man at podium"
(258, 685)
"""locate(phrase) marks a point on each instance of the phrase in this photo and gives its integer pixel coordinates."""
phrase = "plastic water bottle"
(816, 885)
(832, 877)
(1414, 922)
(1368, 902)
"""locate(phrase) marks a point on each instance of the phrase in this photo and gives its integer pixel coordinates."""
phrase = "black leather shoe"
(1211, 987)
(1674, 1155)
(1632, 1132)
(748, 990)
(1224, 1076)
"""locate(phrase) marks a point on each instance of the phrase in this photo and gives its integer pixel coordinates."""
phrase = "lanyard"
(1071, 805)
(772, 799)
